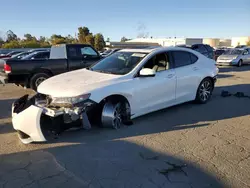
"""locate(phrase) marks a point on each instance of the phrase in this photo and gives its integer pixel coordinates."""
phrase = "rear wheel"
(239, 63)
(37, 79)
(204, 91)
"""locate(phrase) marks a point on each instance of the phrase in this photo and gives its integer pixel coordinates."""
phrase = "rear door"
(187, 74)
(246, 56)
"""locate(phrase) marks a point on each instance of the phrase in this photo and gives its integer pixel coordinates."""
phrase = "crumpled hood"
(228, 57)
(75, 83)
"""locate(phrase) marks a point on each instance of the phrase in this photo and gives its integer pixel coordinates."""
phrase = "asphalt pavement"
(186, 146)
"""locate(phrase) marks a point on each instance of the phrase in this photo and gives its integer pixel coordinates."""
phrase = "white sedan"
(123, 86)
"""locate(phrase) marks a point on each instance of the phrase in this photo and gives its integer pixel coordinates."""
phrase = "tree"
(90, 39)
(57, 39)
(83, 32)
(70, 40)
(11, 44)
(29, 37)
(124, 39)
(99, 43)
(44, 43)
(1, 42)
(11, 36)
(108, 39)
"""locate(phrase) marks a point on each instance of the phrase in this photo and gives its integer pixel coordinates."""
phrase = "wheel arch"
(114, 98)
(36, 71)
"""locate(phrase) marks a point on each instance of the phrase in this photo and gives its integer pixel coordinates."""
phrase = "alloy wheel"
(205, 90)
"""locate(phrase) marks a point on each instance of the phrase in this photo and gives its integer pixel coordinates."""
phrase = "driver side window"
(159, 62)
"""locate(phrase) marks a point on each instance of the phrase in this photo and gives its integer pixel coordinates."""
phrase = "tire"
(204, 91)
(239, 63)
(37, 79)
(114, 114)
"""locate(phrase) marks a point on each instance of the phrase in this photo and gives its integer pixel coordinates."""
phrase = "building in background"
(240, 41)
(211, 41)
(168, 41)
(173, 41)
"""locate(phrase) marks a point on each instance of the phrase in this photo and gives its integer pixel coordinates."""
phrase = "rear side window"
(182, 58)
(199, 48)
(72, 52)
(193, 57)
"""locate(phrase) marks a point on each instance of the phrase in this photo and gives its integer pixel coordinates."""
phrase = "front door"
(154, 93)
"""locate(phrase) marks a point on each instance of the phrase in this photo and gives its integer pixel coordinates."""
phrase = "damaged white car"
(123, 86)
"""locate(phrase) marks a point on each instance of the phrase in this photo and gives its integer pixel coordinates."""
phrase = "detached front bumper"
(35, 123)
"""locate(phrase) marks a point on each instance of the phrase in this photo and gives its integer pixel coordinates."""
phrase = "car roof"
(146, 50)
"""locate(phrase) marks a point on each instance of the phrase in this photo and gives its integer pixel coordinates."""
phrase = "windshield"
(118, 63)
(233, 52)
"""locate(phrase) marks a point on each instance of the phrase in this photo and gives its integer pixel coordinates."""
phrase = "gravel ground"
(189, 145)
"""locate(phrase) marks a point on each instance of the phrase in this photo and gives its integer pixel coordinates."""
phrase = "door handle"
(170, 76)
(195, 68)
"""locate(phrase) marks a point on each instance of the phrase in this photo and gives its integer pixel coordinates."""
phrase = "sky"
(115, 19)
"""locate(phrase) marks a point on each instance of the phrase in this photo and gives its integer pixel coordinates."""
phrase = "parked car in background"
(109, 52)
(241, 46)
(218, 52)
(20, 55)
(36, 55)
(235, 56)
(204, 49)
(33, 69)
(8, 55)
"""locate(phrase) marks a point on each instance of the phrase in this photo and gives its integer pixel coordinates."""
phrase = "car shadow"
(220, 76)
(110, 164)
(105, 158)
(180, 117)
(234, 68)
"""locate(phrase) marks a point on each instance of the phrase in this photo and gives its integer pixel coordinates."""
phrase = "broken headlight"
(70, 100)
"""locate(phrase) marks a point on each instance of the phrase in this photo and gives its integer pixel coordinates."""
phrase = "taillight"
(7, 68)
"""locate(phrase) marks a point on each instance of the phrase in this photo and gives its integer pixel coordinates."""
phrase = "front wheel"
(37, 79)
(204, 91)
(115, 113)
(239, 63)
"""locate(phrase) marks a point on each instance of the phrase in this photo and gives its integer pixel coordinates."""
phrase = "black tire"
(204, 91)
(37, 79)
(239, 63)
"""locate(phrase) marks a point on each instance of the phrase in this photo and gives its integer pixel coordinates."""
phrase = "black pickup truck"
(63, 58)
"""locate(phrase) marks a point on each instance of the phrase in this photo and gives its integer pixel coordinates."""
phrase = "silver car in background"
(236, 56)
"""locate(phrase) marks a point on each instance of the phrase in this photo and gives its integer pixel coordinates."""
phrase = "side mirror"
(147, 73)
(32, 58)
(245, 53)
